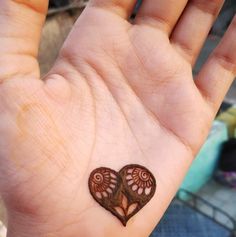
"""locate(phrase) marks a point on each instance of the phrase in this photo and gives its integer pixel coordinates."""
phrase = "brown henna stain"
(123, 193)
(36, 6)
(36, 125)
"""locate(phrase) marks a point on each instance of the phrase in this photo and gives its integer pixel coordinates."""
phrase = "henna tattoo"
(122, 193)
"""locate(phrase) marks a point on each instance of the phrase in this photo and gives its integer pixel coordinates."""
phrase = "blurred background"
(205, 205)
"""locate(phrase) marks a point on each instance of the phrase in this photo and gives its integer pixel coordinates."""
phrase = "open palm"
(119, 93)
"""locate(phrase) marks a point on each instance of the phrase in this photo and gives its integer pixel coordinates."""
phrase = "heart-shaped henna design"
(122, 193)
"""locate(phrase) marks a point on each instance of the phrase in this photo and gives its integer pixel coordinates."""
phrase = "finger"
(193, 27)
(122, 8)
(160, 14)
(21, 23)
(219, 71)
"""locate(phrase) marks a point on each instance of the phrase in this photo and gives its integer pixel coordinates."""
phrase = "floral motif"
(140, 180)
(103, 182)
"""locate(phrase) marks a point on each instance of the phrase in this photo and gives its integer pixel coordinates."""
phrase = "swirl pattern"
(103, 181)
(140, 180)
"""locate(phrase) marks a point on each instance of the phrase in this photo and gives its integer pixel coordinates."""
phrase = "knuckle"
(211, 7)
(226, 61)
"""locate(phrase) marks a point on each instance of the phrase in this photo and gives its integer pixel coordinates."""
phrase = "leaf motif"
(132, 208)
(120, 211)
(124, 202)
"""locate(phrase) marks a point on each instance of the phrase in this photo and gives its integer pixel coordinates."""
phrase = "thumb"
(21, 23)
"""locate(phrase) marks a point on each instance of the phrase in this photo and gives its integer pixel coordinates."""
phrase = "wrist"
(99, 226)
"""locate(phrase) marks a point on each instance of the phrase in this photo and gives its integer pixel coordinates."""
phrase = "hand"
(118, 94)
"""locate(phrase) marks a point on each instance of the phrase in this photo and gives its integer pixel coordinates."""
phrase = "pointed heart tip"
(124, 223)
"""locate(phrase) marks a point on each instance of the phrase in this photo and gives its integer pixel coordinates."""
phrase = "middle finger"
(161, 14)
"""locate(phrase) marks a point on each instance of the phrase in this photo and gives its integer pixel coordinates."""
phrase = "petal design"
(140, 180)
(103, 181)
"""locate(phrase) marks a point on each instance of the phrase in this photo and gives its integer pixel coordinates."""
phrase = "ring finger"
(193, 27)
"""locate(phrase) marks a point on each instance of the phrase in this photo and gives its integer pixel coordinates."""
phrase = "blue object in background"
(205, 163)
(183, 221)
(138, 5)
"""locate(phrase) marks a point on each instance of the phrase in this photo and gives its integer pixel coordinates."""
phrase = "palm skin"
(118, 94)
